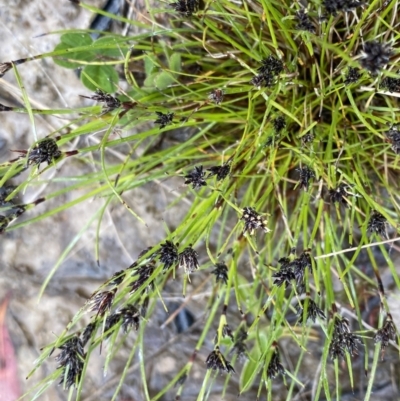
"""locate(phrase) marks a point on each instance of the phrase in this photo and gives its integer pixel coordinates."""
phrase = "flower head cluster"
(275, 367)
(293, 271)
(386, 333)
(393, 136)
(164, 119)
(216, 96)
(71, 361)
(188, 259)
(303, 22)
(270, 68)
(279, 124)
(87, 333)
(342, 339)
(221, 172)
(239, 347)
(186, 7)
(168, 254)
(391, 84)
(130, 317)
(375, 56)
(143, 273)
(332, 7)
(221, 273)
(339, 194)
(352, 76)
(312, 312)
(45, 150)
(306, 174)
(377, 224)
(216, 361)
(109, 102)
(253, 221)
(196, 177)
(102, 301)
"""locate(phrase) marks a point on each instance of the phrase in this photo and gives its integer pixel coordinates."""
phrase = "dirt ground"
(27, 255)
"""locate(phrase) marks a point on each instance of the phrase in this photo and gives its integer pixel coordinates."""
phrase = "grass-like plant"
(290, 163)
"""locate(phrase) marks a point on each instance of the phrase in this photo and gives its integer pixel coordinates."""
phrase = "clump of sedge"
(303, 22)
(377, 224)
(342, 339)
(393, 136)
(270, 68)
(186, 7)
(216, 361)
(221, 273)
(164, 119)
(196, 177)
(306, 174)
(71, 361)
(253, 221)
(375, 56)
(352, 76)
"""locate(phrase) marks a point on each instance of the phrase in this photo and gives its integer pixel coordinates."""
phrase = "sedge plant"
(281, 125)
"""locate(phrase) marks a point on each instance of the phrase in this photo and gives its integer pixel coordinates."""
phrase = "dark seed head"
(391, 84)
(306, 174)
(275, 367)
(220, 171)
(196, 177)
(102, 301)
(342, 339)
(168, 254)
(375, 56)
(188, 260)
(279, 124)
(377, 224)
(270, 68)
(186, 7)
(164, 119)
(87, 333)
(303, 22)
(45, 150)
(71, 361)
(339, 194)
(221, 273)
(216, 361)
(312, 312)
(112, 320)
(332, 7)
(386, 333)
(352, 76)
(393, 136)
(109, 102)
(253, 221)
(117, 278)
(143, 273)
(130, 318)
(216, 96)
(239, 347)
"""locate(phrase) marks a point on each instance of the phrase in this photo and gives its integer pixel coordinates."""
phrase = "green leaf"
(71, 41)
(102, 77)
(163, 80)
(116, 52)
(175, 62)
